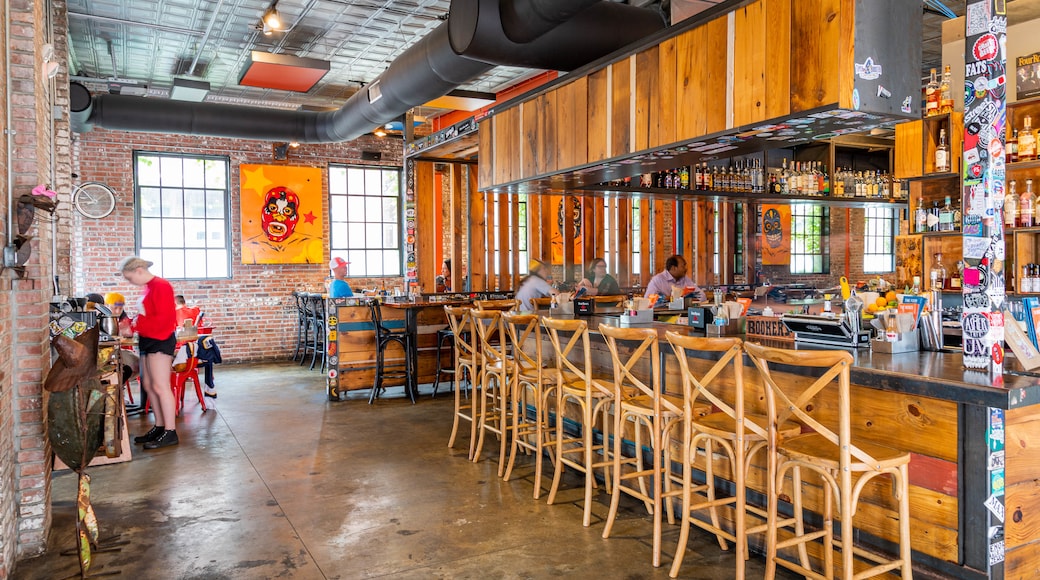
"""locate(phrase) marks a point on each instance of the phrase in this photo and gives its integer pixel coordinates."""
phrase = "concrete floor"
(276, 482)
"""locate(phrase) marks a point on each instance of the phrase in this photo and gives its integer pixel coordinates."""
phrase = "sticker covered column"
(983, 192)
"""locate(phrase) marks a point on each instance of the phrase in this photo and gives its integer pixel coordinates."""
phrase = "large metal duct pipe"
(428, 69)
(477, 30)
(526, 20)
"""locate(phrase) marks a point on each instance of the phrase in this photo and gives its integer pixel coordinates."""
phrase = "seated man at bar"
(339, 287)
(674, 275)
(534, 285)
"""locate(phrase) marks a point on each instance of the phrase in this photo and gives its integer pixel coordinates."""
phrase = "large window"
(879, 240)
(365, 219)
(810, 239)
(182, 219)
(520, 199)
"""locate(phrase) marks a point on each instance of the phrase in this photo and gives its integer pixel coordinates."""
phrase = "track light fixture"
(271, 18)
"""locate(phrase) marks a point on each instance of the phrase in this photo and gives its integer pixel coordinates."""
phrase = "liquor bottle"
(920, 217)
(946, 217)
(938, 273)
(1026, 140)
(684, 177)
(1011, 206)
(945, 92)
(931, 96)
(839, 183)
(825, 182)
(933, 217)
(1012, 147)
(1026, 206)
(942, 154)
(784, 181)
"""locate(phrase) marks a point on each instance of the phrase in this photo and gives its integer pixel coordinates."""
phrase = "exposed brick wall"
(24, 350)
(253, 310)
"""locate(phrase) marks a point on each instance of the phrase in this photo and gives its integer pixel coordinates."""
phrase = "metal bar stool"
(386, 336)
(301, 324)
(319, 336)
(444, 335)
(846, 465)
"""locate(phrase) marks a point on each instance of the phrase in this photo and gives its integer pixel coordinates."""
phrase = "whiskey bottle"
(942, 154)
(945, 93)
(1026, 140)
(931, 96)
(1011, 206)
(1027, 206)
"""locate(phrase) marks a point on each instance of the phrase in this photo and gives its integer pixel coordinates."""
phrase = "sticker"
(971, 156)
(332, 335)
(996, 553)
(333, 320)
(977, 15)
(333, 360)
(996, 461)
(998, 354)
(975, 325)
(996, 149)
(998, 24)
(883, 92)
(868, 71)
(996, 482)
(907, 105)
(996, 439)
(986, 47)
(981, 85)
(975, 170)
(333, 373)
(855, 99)
(995, 506)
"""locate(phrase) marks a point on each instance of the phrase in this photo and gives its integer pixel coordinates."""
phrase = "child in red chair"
(206, 351)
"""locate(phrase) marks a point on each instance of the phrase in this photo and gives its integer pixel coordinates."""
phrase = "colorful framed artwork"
(282, 216)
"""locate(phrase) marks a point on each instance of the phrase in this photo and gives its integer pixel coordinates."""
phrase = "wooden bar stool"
(730, 431)
(574, 383)
(467, 363)
(496, 370)
(830, 451)
(532, 385)
(648, 408)
(502, 304)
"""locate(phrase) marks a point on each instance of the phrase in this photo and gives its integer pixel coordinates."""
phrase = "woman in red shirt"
(156, 322)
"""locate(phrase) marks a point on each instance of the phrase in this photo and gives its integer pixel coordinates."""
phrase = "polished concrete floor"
(276, 482)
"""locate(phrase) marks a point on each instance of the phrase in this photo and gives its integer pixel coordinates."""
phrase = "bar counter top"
(939, 375)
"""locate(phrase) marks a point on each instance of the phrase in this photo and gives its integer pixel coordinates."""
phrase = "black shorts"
(155, 346)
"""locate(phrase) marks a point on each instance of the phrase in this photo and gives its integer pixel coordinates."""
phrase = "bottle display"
(1026, 140)
(942, 154)
(1027, 206)
(946, 217)
(920, 218)
(1012, 147)
(1011, 205)
(945, 92)
(932, 96)
(938, 273)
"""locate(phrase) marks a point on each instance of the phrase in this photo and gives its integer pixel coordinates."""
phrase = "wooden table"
(411, 327)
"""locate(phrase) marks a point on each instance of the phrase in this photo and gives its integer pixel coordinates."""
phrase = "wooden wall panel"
(816, 25)
(778, 58)
(548, 224)
(701, 267)
(622, 237)
(534, 215)
(461, 177)
(663, 243)
(715, 73)
(507, 143)
(514, 241)
(909, 151)
(846, 56)
(504, 281)
(477, 262)
(663, 113)
(569, 258)
(492, 240)
(648, 90)
(546, 161)
(572, 124)
(700, 62)
(598, 121)
(426, 226)
(646, 243)
(689, 232)
(749, 64)
(485, 144)
(590, 227)
(621, 98)
(531, 154)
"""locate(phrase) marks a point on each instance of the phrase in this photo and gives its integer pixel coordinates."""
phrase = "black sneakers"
(210, 393)
(166, 439)
(151, 435)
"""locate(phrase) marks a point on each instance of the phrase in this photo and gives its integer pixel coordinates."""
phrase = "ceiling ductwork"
(563, 35)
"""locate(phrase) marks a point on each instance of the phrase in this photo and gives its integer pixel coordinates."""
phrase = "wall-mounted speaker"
(371, 155)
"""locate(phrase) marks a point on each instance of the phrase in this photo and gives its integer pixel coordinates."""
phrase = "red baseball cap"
(337, 262)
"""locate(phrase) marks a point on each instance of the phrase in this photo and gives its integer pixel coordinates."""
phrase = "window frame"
(139, 228)
(870, 238)
(820, 214)
(400, 217)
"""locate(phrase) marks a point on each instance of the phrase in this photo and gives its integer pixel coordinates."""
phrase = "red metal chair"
(178, 381)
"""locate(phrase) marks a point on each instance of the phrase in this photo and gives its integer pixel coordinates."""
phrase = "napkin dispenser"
(637, 316)
(584, 306)
(907, 342)
(732, 327)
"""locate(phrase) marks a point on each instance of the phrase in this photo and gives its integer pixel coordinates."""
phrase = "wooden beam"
(534, 216)
(461, 175)
(621, 239)
(426, 225)
(514, 235)
(503, 281)
(477, 262)
(567, 232)
(646, 244)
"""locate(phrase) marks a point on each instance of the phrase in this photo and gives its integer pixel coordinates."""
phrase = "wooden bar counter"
(952, 421)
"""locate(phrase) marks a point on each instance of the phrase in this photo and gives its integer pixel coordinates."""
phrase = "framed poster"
(1027, 76)
(282, 215)
(776, 235)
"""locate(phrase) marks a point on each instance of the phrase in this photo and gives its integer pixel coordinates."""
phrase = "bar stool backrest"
(637, 341)
(785, 404)
(695, 387)
(493, 345)
(578, 343)
(542, 303)
(522, 328)
(614, 300)
(466, 339)
(506, 304)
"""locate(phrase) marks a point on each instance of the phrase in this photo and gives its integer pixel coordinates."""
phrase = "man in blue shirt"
(674, 274)
(339, 287)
